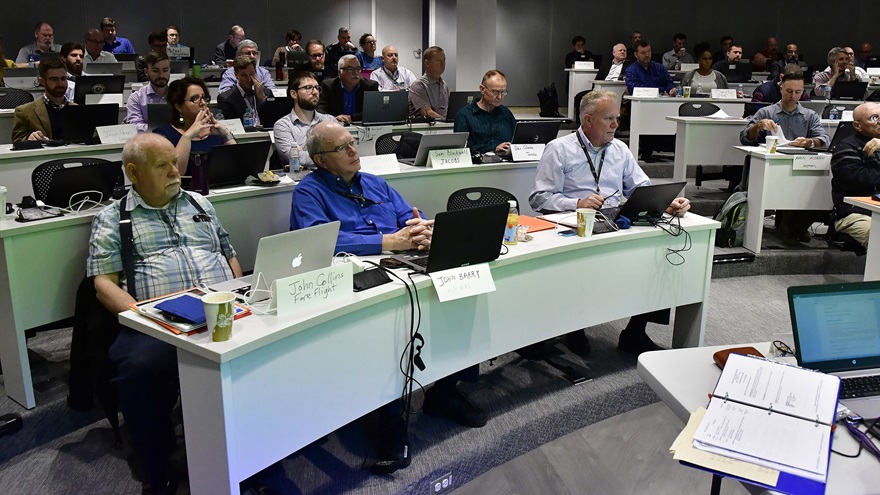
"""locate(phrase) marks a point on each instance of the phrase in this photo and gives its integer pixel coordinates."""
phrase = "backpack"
(548, 100)
(732, 216)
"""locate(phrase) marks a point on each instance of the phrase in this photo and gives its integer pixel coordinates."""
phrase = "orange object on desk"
(535, 224)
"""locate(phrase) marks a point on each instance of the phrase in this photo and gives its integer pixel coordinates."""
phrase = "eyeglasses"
(370, 42)
(497, 93)
(339, 149)
(316, 56)
(195, 99)
(309, 88)
(352, 70)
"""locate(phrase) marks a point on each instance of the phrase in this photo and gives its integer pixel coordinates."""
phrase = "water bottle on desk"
(828, 93)
(295, 163)
(739, 91)
(832, 114)
(32, 60)
(699, 89)
(512, 224)
(248, 118)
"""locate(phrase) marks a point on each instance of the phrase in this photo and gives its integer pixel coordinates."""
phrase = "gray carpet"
(62, 452)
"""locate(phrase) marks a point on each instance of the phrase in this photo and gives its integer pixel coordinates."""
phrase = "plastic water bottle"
(699, 88)
(739, 91)
(828, 93)
(32, 60)
(295, 164)
(512, 224)
(248, 118)
(219, 115)
(678, 91)
(832, 114)
(677, 65)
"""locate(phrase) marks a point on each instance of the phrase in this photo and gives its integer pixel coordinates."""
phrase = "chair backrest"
(386, 144)
(404, 144)
(14, 97)
(752, 107)
(697, 109)
(41, 177)
(577, 106)
(473, 197)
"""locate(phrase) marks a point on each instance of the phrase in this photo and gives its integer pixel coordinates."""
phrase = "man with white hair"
(247, 48)
(840, 68)
(343, 96)
(44, 42)
(391, 76)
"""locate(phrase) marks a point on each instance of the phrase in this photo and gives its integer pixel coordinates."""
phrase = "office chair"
(41, 177)
(728, 172)
(577, 107)
(473, 197)
(697, 109)
(840, 240)
(386, 144)
(404, 144)
(13, 97)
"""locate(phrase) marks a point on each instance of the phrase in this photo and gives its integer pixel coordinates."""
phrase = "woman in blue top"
(367, 57)
(192, 128)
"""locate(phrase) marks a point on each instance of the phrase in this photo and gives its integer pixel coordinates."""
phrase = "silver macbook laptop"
(436, 142)
(21, 78)
(837, 331)
(284, 255)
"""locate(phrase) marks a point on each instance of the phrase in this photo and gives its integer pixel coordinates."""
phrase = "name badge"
(279, 92)
(98, 99)
(233, 125)
(724, 94)
(526, 152)
(466, 281)
(116, 133)
(380, 164)
(822, 161)
(584, 65)
(177, 51)
(313, 289)
(449, 158)
(646, 92)
(689, 67)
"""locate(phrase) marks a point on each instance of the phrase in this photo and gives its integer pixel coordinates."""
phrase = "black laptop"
(158, 114)
(535, 131)
(97, 85)
(461, 238)
(385, 107)
(737, 72)
(847, 90)
(76, 182)
(231, 164)
(273, 109)
(844, 130)
(646, 204)
(459, 99)
(80, 121)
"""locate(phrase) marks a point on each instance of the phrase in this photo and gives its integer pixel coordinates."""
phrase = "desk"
(41, 263)
(282, 367)
(773, 185)
(683, 378)
(872, 259)
(648, 115)
(578, 80)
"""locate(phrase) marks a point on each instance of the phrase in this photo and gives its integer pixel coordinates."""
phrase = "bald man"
(615, 68)
(855, 171)
(391, 76)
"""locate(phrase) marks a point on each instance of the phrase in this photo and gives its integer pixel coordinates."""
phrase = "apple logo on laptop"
(297, 261)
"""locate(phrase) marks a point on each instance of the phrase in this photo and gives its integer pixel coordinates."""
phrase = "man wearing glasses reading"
(292, 130)
(489, 123)
(343, 96)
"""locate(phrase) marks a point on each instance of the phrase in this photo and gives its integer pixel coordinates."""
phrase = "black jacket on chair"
(232, 104)
(332, 101)
(606, 68)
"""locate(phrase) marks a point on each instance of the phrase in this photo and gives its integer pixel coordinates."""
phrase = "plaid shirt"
(172, 251)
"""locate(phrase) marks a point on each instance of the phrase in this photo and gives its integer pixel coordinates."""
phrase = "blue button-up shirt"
(121, 45)
(349, 100)
(322, 197)
(655, 76)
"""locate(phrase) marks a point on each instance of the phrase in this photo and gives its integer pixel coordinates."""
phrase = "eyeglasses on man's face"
(340, 149)
(352, 70)
(309, 88)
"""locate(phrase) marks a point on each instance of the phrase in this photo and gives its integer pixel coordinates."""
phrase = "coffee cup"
(219, 313)
(771, 143)
(585, 219)
(686, 91)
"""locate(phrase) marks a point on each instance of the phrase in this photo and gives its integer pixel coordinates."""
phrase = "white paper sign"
(312, 289)
(279, 92)
(97, 99)
(380, 164)
(847, 115)
(449, 158)
(116, 133)
(272, 136)
(646, 92)
(689, 67)
(177, 51)
(584, 65)
(724, 94)
(234, 125)
(466, 281)
(175, 76)
(526, 152)
(822, 161)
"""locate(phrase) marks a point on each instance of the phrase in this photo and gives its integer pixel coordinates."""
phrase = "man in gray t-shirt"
(429, 95)
(44, 42)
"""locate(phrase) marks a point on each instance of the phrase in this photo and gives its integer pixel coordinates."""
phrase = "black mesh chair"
(387, 144)
(41, 177)
(577, 107)
(731, 173)
(13, 97)
(473, 197)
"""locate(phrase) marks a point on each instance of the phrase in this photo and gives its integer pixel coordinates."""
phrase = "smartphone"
(568, 233)
(391, 263)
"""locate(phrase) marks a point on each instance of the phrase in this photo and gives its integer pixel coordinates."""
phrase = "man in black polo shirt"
(489, 123)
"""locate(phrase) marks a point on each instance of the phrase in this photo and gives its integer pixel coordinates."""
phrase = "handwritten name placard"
(234, 125)
(646, 92)
(466, 281)
(116, 133)
(584, 65)
(313, 289)
(689, 67)
(97, 99)
(526, 152)
(449, 158)
(724, 94)
(822, 161)
(380, 164)
(177, 51)
(279, 92)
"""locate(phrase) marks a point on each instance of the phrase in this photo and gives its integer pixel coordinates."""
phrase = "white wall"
(476, 35)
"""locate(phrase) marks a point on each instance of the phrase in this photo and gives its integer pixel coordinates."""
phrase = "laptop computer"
(158, 114)
(849, 90)
(836, 330)
(284, 255)
(457, 100)
(535, 131)
(97, 85)
(274, 109)
(646, 204)
(22, 78)
(80, 121)
(737, 72)
(461, 238)
(104, 68)
(231, 164)
(297, 59)
(180, 67)
(385, 107)
(844, 130)
(436, 142)
(76, 182)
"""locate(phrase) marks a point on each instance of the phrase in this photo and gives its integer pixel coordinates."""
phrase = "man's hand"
(673, 92)
(37, 136)
(420, 230)
(767, 125)
(502, 149)
(593, 201)
(345, 119)
(872, 146)
(258, 88)
(801, 142)
(679, 207)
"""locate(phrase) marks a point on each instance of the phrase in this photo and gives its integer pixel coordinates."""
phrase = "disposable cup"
(220, 313)
(585, 219)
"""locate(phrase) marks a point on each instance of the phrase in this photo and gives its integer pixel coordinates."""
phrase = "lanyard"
(596, 174)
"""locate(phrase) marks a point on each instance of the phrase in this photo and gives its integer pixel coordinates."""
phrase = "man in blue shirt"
(343, 96)
(374, 218)
(646, 73)
(112, 43)
(489, 123)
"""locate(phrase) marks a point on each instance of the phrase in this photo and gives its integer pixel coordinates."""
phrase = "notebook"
(22, 78)
(646, 203)
(836, 330)
(535, 131)
(385, 107)
(436, 142)
(284, 255)
(158, 114)
(459, 99)
(231, 164)
(461, 238)
(272, 110)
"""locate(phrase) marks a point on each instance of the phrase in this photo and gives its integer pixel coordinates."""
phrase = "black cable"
(672, 226)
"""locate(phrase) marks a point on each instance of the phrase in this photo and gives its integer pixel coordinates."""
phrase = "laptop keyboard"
(860, 386)
(422, 262)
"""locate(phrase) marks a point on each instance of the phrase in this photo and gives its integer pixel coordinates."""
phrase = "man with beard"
(72, 55)
(292, 130)
(41, 119)
(391, 76)
(343, 96)
(247, 94)
(44, 37)
(157, 71)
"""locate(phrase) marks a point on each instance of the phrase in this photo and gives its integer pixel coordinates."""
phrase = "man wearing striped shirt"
(489, 123)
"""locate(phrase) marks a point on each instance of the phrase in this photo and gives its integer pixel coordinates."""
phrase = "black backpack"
(549, 101)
